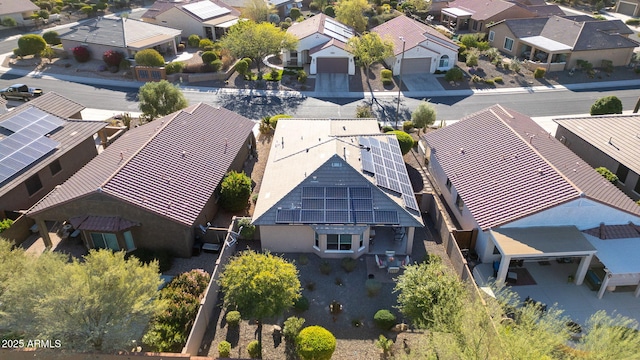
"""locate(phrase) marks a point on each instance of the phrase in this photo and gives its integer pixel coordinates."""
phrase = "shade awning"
(102, 223)
(557, 241)
(228, 24)
(151, 41)
(456, 12)
(619, 256)
(545, 44)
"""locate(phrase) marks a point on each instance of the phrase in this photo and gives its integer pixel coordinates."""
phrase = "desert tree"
(159, 99)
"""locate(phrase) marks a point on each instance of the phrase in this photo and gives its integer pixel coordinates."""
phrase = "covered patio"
(620, 258)
(542, 244)
(455, 19)
(541, 50)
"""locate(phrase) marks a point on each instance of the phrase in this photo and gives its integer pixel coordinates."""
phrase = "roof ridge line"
(530, 146)
(153, 136)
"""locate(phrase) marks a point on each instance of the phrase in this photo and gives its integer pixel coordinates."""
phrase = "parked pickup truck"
(20, 92)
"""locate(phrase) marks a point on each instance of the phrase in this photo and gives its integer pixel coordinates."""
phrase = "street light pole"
(400, 85)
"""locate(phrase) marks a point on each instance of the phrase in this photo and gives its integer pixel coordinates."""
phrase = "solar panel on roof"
(339, 192)
(206, 9)
(287, 216)
(410, 202)
(385, 146)
(312, 216)
(337, 204)
(313, 204)
(361, 204)
(381, 180)
(17, 151)
(312, 192)
(362, 217)
(34, 119)
(386, 216)
(337, 217)
(360, 192)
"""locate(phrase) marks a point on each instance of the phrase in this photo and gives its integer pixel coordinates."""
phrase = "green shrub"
(81, 54)
(174, 67)
(302, 76)
(254, 349)
(235, 191)
(273, 121)
(292, 327)
(633, 22)
(387, 128)
(146, 256)
(295, 13)
(386, 74)
(9, 22)
(325, 268)
(454, 74)
(471, 40)
(224, 349)
(384, 319)
(241, 67)
(31, 44)
(301, 304)
(181, 47)
(607, 105)
(387, 82)
(515, 65)
(490, 82)
(125, 64)
(215, 65)
(17, 52)
(363, 111)
(607, 174)
(208, 57)
(405, 140)
(149, 57)
(373, 287)
(51, 37)
(315, 343)
(233, 318)
(329, 11)
(407, 126)
(498, 79)
(273, 75)
(5, 224)
(349, 264)
(193, 40)
(248, 229)
(204, 43)
(539, 72)
(472, 58)
(607, 66)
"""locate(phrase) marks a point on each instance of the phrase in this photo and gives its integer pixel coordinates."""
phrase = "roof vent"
(462, 151)
(540, 171)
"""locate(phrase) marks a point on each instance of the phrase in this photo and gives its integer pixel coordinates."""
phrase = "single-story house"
(628, 7)
(330, 185)
(18, 10)
(322, 45)
(557, 43)
(208, 19)
(41, 146)
(120, 34)
(417, 48)
(527, 195)
(615, 146)
(155, 185)
(475, 16)
(283, 7)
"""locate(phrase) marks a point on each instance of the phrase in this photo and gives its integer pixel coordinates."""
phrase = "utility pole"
(400, 85)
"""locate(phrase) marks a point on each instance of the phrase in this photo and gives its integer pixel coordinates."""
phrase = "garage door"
(626, 8)
(416, 66)
(333, 65)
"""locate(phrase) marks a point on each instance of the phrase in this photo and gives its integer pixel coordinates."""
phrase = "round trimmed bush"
(193, 40)
(384, 319)
(254, 349)
(315, 343)
(273, 121)
(181, 47)
(204, 43)
(112, 58)
(233, 318)
(386, 74)
(216, 65)
(208, 57)
(81, 54)
(174, 67)
(31, 44)
(302, 304)
(454, 74)
(224, 349)
(405, 140)
(51, 37)
(149, 57)
(241, 67)
(236, 190)
(607, 105)
(387, 128)
(407, 126)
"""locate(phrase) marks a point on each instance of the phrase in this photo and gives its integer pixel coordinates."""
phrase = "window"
(622, 173)
(444, 61)
(475, 25)
(340, 242)
(33, 184)
(361, 240)
(459, 203)
(508, 43)
(55, 167)
(637, 188)
(448, 184)
(492, 35)
(128, 240)
(317, 242)
(105, 241)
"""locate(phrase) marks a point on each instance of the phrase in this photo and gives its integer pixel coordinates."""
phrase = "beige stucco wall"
(619, 57)
(177, 19)
(501, 31)
(332, 52)
(95, 49)
(287, 238)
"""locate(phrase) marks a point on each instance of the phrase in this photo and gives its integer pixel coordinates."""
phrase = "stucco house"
(475, 16)
(557, 43)
(120, 34)
(615, 146)
(208, 19)
(322, 46)
(153, 186)
(18, 10)
(333, 187)
(628, 7)
(527, 195)
(425, 49)
(41, 146)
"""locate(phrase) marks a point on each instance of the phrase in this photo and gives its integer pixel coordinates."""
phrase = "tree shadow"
(255, 106)
(233, 335)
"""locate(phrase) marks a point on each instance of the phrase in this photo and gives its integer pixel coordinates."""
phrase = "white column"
(603, 287)
(582, 268)
(637, 293)
(503, 269)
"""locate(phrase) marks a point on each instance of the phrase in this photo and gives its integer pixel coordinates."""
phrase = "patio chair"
(381, 263)
(393, 270)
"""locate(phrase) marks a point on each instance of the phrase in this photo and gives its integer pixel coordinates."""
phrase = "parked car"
(20, 92)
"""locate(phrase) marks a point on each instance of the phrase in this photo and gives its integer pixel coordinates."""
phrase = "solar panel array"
(336, 205)
(385, 162)
(206, 9)
(337, 31)
(27, 143)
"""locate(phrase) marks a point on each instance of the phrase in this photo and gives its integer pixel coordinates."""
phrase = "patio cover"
(619, 256)
(456, 12)
(152, 41)
(222, 20)
(101, 223)
(545, 44)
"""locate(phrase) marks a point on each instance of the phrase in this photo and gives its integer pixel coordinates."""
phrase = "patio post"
(44, 232)
(604, 285)
(582, 268)
(503, 269)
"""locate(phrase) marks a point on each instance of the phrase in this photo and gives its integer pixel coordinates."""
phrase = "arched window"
(444, 61)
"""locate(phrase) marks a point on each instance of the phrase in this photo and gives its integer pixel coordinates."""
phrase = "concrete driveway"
(331, 83)
(421, 82)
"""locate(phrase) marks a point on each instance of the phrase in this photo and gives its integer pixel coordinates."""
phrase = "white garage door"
(416, 66)
(333, 65)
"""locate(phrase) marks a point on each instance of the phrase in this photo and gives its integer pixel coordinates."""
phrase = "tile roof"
(17, 6)
(180, 158)
(117, 32)
(162, 6)
(70, 135)
(321, 24)
(505, 167)
(413, 32)
(605, 232)
(523, 27)
(101, 223)
(604, 35)
(618, 139)
(482, 9)
(57, 105)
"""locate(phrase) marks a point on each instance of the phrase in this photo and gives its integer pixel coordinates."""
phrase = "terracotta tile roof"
(170, 166)
(333, 42)
(57, 105)
(414, 33)
(17, 6)
(101, 223)
(505, 167)
(308, 27)
(605, 232)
